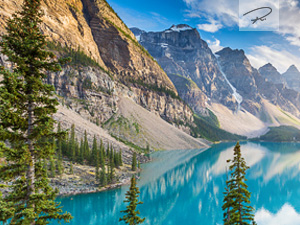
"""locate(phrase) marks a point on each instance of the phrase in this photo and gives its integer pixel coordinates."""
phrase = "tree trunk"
(30, 173)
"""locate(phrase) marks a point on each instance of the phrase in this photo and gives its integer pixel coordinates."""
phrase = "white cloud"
(226, 13)
(218, 13)
(213, 26)
(215, 45)
(281, 59)
(289, 21)
(287, 215)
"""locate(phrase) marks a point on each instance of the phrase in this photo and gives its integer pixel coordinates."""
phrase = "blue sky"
(217, 23)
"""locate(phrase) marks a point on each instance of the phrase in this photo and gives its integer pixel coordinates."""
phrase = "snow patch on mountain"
(235, 94)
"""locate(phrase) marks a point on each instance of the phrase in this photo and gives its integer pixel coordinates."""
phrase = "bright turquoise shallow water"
(186, 188)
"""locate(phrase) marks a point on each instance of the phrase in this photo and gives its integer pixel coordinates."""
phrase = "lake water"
(186, 188)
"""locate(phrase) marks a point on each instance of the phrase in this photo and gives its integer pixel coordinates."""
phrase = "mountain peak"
(292, 69)
(228, 50)
(179, 28)
(268, 67)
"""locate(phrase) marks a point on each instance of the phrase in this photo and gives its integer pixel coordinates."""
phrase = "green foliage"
(59, 167)
(156, 88)
(94, 153)
(206, 128)
(133, 165)
(78, 57)
(129, 144)
(26, 109)
(236, 207)
(280, 134)
(103, 177)
(132, 215)
(52, 168)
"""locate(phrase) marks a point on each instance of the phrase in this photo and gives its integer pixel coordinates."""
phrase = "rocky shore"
(83, 179)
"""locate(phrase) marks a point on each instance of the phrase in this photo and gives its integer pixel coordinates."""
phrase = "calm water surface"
(186, 188)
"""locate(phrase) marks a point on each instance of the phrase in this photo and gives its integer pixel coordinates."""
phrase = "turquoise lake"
(186, 188)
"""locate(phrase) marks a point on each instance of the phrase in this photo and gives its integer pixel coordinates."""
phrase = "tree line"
(105, 160)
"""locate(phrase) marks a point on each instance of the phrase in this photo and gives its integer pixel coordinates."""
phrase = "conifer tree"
(94, 152)
(26, 123)
(86, 148)
(237, 210)
(77, 150)
(120, 158)
(103, 177)
(59, 143)
(81, 152)
(116, 159)
(102, 157)
(111, 172)
(101, 154)
(133, 165)
(132, 215)
(59, 167)
(52, 168)
(107, 151)
(72, 144)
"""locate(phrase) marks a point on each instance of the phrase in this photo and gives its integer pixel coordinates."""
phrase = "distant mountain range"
(225, 79)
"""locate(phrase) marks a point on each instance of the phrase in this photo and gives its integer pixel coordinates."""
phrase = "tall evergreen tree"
(81, 152)
(120, 158)
(133, 165)
(132, 215)
(236, 207)
(72, 144)
(52, 168)
(111, 172)
(94, 152)
(107, 151)
(26, 123)
(86, 148)
(59, 167)
(103, 177)
(101, 154)
(59, 143)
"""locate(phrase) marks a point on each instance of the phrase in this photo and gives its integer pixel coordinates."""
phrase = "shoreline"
(94, 189)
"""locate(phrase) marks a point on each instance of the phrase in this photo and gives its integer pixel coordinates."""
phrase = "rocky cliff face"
(253, 86)
(191, 93)
(96, 29)
(119, 49)
(292, 78)
(180, 50)
(63, 22)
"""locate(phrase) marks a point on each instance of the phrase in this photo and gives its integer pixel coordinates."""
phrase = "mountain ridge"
(239, 78)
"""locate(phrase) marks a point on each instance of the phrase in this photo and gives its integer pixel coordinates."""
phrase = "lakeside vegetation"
(208, 128)
(280, 134)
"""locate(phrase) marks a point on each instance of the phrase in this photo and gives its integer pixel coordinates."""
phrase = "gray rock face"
(270, 73)
(191, 93)
(253, 86)
(239, 72)
(180, 50)
(292, 77)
